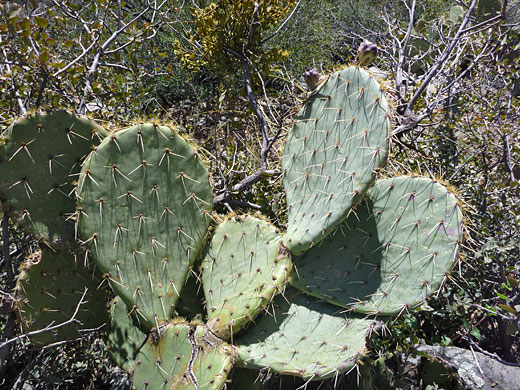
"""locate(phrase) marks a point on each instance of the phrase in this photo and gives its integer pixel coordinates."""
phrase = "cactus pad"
(244, 266)
(390, 254)
(144, 203)
(305, 338)
(50, 288)
(38, 165)
(124, 338)
(331, 155)
(183, 356)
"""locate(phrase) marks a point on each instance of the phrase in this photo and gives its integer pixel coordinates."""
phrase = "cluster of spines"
(56, 292)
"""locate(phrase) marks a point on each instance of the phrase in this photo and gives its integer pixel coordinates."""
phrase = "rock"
(475, 370)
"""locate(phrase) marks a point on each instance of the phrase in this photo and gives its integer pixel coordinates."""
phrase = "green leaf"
(445, 341)
(41, 22)
(465, 322)
(500, 295)
(476, 333)
(511, 328)
(492, 309)
(43, 57)
(509, 309)
(13, 10)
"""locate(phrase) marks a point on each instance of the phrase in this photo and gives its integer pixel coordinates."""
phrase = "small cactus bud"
(367, 53)
(312, 77)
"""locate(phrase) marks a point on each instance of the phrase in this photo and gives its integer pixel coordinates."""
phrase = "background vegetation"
(451, 69)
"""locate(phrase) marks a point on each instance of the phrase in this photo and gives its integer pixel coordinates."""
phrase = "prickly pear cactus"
(392, 253)
(144, 203)
(183, 356)
(244, 266)
(331, 155)
(38, 166)
(305, 338)
(124, 337)
(52, 287)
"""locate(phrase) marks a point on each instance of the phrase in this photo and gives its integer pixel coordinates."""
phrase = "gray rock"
(475, 370)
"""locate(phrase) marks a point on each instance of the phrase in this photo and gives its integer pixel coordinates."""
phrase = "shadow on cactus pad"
(391, 253)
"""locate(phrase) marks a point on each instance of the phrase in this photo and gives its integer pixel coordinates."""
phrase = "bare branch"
(100, 52)
(11, 319)
(75, 60)
(440, 62)
(247, 182)
(19, 100)
(402, 49)
(282, 25)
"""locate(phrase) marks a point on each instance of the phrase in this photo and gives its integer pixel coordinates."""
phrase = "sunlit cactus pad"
(305, 338)
(183, 356)
(124, 337)
(331, 155)
(38, 166)
(144, 203)
(391, 253)
(244, 266)
(50, 288)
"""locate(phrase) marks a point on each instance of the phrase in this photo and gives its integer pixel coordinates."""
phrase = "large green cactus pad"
(390, 254)
(144, 203)
(183, 356)
(331, 155)
(305, 338)
(124, 338)
(244, 266)
(50, 288)
(39, 164)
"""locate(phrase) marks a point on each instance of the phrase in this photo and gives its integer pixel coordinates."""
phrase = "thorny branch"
(7, 66)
